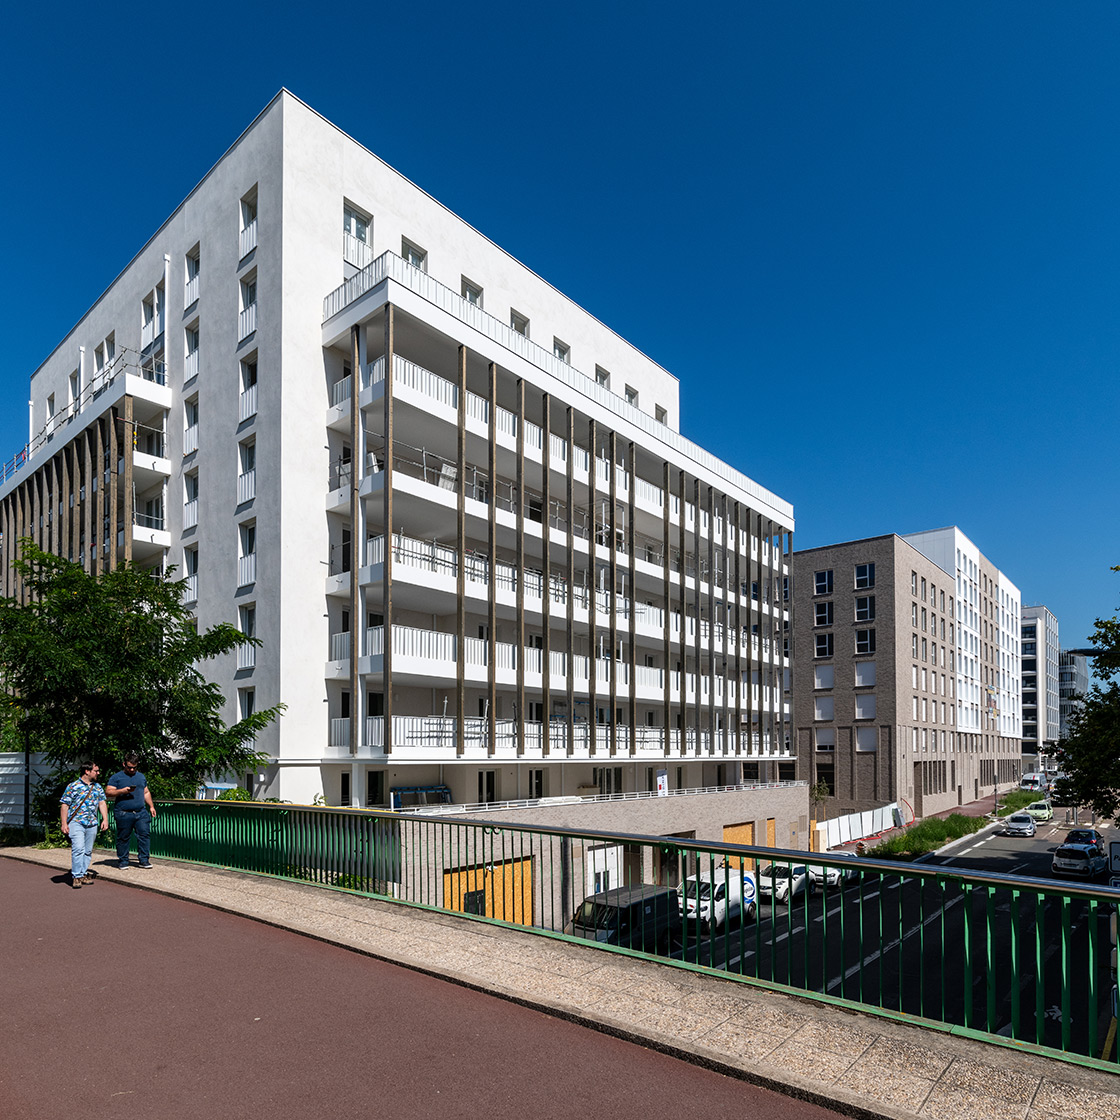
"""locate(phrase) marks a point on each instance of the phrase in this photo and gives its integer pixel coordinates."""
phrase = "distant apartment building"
(896, 685)
(1073, 683)
(483, 562)
(1040, 654)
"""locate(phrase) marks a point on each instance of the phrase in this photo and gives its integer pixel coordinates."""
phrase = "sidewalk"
(855, 1064)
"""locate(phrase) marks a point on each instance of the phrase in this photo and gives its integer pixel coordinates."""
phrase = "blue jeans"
(82, 837)
(128, 821)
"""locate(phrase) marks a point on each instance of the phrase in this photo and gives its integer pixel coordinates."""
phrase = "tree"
(101, 665)
(1090, 756)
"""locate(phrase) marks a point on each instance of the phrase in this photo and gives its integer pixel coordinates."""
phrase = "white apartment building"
(988, 652)
(1041, 714)
(457, 509)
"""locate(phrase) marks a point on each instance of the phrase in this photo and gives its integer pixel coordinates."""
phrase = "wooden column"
(667, 621)
(570, 435)
(711, 621)
(632, 549)
(612, 596)
(357, 543)
(461, 563)
(519, 564)
(682, 645)
(492, 547)
(128, 451)
(387, 499)
(592, 721)
(546, 577)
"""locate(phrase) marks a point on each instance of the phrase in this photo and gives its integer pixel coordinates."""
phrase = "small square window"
(822, 614)
(631, 395)
(472, 293)
(824, 645)
(414, 255)
(865, 641)
(823, 708)
(865, 674)
(660, 414)
(867, 739)
(865, 608)
(822, 583)
(561, 350)
(519, 323)
(824, 676)
(602, 377)
(865, 705)
(865, 575)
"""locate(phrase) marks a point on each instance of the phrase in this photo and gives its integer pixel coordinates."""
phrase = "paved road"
(116, 1002)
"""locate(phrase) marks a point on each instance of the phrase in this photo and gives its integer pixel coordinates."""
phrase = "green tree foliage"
(101, 665)
(1090, 756)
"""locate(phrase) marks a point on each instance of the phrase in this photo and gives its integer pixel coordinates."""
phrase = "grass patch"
(1018, 799)
(927, 836)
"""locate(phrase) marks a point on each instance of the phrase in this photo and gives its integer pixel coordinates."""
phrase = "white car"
(833, 876)
(733, 897)
(783, 882)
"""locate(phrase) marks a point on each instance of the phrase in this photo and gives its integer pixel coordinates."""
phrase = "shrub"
(927, 836)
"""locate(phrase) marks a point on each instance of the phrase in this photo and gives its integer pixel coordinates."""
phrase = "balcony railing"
(190, 365)
(190, 439)
(341, 390)
(246, 657)
(247, 404)
(340, 732)
(246, 487)
(246, 570)
(248, 240)
(190, 588)
(355, 252)
(190, 513)
(247, 322)
(151, 330)
(149, 520)
(190, 292)
(390, 266)
(340, 646)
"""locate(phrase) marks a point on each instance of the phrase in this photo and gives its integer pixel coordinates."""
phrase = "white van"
(731, 896)
(1037, 782)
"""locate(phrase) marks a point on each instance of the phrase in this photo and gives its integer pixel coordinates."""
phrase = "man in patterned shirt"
(83, 801)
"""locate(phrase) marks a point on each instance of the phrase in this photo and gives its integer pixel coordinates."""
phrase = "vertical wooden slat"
(546, 577)
(128, 450)
(492, 546)
(612, 596)
(666, 574)
(632, 549)
(461, 563)
(593, 713)
(519, 564)
(357, 542)
(570, 435)
(387, 569)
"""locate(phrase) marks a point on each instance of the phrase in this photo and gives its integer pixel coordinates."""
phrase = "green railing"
(1026, 962)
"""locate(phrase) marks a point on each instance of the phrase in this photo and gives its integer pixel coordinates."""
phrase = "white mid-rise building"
(456, 508)
(1041, 712)
(988, 637)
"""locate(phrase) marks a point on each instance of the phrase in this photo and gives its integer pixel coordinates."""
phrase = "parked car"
(733, 896)
(1086, 836)
(1079, 861)
(1040, 810)
(783, 882)
(1019, 824)
(834, 876)
(641, 917)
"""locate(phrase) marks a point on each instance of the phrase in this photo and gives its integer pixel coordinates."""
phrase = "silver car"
(1019, 824)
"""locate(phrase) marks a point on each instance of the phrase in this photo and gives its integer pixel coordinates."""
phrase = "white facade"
(1041, 716)
(395, 425)
(988, 616)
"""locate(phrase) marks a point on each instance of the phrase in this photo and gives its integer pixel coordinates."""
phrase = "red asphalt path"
(121, 1003)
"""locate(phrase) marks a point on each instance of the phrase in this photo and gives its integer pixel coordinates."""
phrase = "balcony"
(190, 513)
(247, 322)
(341, 390)
(190, 440)
(247, 404)
(246, 487)
(340, 646)
(247, 570)
(190, 292)
(246, 657)
(248, 240)
(340, 733)
(389, 266)
(355, 252)
(190, 365)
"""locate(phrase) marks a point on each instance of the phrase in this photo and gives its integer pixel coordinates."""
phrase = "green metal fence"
(1027, 962)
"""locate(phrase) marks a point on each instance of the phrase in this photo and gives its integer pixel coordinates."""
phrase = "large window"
(823, 708)
(865, 575)
(825, 738)
(822, 614)
(824, 645)
(865, 608)
(824, 676)
(822, 582)
(865, 641)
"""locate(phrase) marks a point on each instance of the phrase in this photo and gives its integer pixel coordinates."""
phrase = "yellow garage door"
(494, 890)
(739, 834)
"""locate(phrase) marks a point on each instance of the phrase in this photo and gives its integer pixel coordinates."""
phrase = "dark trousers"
(129, 821)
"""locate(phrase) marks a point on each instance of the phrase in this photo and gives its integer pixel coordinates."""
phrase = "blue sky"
(877, 241)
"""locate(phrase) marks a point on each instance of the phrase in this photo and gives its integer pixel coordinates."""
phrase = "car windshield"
(1038, 806)
(1021, 818)
(773, 871)
(595, 915)
(690, 888)
(1072, 853)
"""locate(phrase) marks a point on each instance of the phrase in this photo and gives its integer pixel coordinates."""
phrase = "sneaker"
(146, 866)
(87, 880)
(123, 866)
(76, 884)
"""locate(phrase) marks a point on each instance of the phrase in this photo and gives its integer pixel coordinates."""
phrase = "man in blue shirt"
(82, 803)
(133, 811)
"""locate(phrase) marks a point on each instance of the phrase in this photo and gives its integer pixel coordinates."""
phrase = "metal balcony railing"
(246, 487)
(246, 322)
(247, 404)
(248, 240)
(190, 365)
(190, 439)
(190, 291)
(246, 570)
